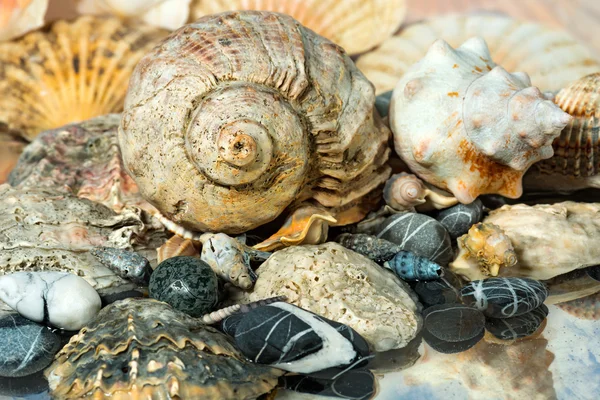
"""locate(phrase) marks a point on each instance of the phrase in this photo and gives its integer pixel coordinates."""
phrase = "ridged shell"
(168, 14)
(576, 158)
(143, 348)
(235, 117)
(551, 57)
(466, 125)
(69, 72)
(83, 158)
(356, 25)
(20, 16)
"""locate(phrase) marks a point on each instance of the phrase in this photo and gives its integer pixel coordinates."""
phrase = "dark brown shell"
(144, 349)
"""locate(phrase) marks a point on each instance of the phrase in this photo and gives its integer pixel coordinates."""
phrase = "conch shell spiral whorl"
(465, 125)
(239, 116)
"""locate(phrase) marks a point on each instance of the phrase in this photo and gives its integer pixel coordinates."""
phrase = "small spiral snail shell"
(240, 115)
(406, 192)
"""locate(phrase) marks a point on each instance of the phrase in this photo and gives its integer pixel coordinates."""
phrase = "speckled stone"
(25, 347)
(419, 234)
(505, 297)
(188, 284)
(459, 218)
(382, 103)
(517, 327)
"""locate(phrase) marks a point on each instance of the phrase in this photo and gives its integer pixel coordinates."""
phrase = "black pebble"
(517, 327)
(355, 384)
(594, 272)
(439, 291)
(451, 347)
(458, 219)
(453, 322)
(382, 103)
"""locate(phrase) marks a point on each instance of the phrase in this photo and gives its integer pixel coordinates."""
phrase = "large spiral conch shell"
(551, 57)
(576, 161)
(20, 16)
(235, 117)
(467, 126)
(356, 25)
(69, 72)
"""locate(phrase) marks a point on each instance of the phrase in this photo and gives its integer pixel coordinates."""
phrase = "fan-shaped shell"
(576, 160)
(356, 25)
(168, 14)
(69, 72)
(143, 348)
(551, 57)
(235, 117)
(20, 16)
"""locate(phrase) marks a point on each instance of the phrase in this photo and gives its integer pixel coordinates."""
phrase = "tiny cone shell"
(69, 72)
(551, 57)
(356, 25)
(20, 16)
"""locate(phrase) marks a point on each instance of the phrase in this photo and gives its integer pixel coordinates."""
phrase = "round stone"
(453, 322)
(517, 327)
(188, 284)
(451, 347)
(459, 218)
(419, 234)
(25, 347)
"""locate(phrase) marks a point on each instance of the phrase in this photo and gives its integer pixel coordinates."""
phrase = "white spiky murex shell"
(168, 14)
(69, 72)
(551, 57)
(20, 16)
(467, 126)
(239, 115)
(356, 25)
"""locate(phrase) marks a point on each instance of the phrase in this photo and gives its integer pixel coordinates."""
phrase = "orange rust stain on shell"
(455, 66)
(453, 94)
(421, 149)
(494, 176)
(478, 69)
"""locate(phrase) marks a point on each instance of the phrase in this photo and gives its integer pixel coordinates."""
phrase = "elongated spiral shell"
(69, 72)
(238, 115)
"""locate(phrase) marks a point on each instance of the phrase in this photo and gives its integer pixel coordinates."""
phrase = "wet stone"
(439, 291)
(517, 327)
(126, 264)
(25, 346)
(445, 347)
(458, 219)
(419, 234)
(453, 322)
(188, 284)
(355, 384)
(505, 297)
(382, 103)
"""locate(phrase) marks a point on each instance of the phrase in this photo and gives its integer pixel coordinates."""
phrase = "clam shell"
(69, 72)
(20, 16)
(168, 14)
(356, 25)
(551, 57)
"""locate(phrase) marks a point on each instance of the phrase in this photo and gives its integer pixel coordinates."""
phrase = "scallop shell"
(239, 115)
(69, 72)
(467, 126)
(144, 349)
(20, 16)
(168, 14)
(356, 25)
(551, 57)
(576, 161)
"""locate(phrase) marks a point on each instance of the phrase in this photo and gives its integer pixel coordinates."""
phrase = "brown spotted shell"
(69, 71)
(143, 348)
(238, 116)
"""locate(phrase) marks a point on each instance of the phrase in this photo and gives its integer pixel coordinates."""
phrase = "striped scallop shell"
(577, 149)
(69, 72)
(20, 16)
(552, 58)
(356, 25)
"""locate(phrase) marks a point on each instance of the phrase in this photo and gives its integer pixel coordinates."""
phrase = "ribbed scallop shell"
(20, 16)
(168, 14)
(239, 115)
(356, 25)
(552, 58)
(577, 149)
(69, 72)
(144, 349)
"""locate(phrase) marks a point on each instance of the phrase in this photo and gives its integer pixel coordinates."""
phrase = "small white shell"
(20, 16)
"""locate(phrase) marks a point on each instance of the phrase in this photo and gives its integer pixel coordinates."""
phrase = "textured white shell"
(550, 240)
(20, 16)
(168, 14)
(356, 25)
(467, 126)
(551, 57)
(343, 286)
